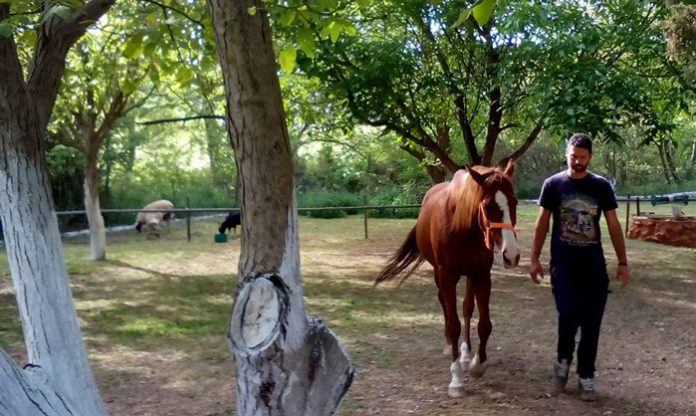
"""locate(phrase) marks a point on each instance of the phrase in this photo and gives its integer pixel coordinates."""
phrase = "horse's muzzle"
(510, 263)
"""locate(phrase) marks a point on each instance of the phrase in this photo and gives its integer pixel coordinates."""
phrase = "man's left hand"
(623, 274)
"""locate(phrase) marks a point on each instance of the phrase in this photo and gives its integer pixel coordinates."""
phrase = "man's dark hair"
(580, 140)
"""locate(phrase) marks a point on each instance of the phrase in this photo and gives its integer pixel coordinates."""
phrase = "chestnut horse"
(460, 225)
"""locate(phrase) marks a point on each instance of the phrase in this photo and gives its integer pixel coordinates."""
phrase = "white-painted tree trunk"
(37, 265)
(97, 230)
(287, 364)
(34, 250)
(29, 392)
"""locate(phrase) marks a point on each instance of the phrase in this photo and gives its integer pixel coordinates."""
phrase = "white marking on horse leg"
(447, 350)
(456, 386)
(465, 355)
(510, 249)
(476, 368)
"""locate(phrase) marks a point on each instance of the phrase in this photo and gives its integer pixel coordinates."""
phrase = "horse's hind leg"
(467, 313)
(482, 292)
(447, 350)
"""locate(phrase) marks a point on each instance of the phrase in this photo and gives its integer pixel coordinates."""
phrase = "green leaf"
(463, 17)
(334, 31)
(133, 48)
(150, 49)
(184, 76)
(129, 86)
(6, 30)
(349, 29)
(252, 11)
(364, 3)
(288, 17)
(307, 43)
(483, 11)
(288, 57)
(154, 75)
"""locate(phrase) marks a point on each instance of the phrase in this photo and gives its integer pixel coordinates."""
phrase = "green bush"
(407, 194)
(326, 198)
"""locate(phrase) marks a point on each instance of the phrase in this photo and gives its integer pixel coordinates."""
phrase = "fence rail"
(365, 208)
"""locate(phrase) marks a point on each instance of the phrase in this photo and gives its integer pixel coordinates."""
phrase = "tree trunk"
(286, 363)
(29, 392)
(34, 250)
(663, 161)
(97, 231)
(669, 160)
(37, 265)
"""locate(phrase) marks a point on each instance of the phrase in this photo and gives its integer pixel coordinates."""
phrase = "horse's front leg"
(482, 293)
(447, 285)
(467, 312)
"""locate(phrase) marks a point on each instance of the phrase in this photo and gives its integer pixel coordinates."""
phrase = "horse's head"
(498, 209)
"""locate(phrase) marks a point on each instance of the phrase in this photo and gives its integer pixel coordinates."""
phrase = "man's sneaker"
(587, 391)
(560, 375)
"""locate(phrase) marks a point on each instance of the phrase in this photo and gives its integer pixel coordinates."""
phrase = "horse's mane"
(467, 196)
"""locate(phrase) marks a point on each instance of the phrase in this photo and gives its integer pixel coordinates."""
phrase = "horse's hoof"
(447, 350)
(465, 355)
(457, 391)
(476, 368)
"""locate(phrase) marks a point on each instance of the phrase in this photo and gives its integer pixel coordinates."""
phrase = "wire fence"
(637, 204)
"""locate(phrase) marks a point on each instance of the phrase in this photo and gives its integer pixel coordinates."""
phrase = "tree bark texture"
(29, 392)
(34, 249)
(282, 357)
(35, 256)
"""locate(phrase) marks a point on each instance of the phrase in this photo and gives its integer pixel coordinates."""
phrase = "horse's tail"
(407, 254)
(139, 226)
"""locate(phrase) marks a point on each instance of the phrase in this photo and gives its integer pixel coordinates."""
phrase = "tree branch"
(527, 141)
(56, 37)
(173, 120)
(175, 10)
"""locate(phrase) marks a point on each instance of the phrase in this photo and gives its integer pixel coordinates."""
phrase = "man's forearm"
(617, 240)
(540, 230)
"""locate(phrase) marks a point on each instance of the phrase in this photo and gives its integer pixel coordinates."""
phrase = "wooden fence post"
(188, 220)
(628, 210)
(365, 213)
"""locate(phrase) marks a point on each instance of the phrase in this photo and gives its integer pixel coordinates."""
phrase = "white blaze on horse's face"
(510, 250)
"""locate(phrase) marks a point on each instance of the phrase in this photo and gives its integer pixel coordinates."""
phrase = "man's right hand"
(536, 271)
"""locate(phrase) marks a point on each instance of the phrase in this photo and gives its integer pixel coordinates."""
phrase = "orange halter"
(487, 226)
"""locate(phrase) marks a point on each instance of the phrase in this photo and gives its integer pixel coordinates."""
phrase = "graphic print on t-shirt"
(577, 215)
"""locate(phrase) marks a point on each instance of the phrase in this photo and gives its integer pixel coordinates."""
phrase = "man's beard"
(578, 168)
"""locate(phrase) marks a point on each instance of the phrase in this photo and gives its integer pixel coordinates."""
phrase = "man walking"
(576, 199)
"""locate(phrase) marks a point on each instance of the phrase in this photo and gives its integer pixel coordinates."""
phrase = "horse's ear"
(477, 177)
(510, 168)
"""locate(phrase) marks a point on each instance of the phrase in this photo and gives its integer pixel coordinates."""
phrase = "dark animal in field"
(152, 220)
(231, 222)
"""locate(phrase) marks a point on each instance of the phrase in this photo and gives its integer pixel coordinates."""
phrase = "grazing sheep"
(233, 219)
(152, 219)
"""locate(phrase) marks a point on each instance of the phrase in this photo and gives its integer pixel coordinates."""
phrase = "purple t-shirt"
(576, 205)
